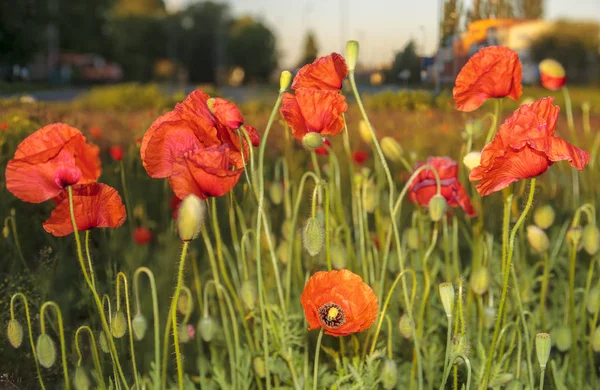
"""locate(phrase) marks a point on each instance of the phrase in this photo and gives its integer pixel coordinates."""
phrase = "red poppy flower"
(360, 156)
(423, 187)
(50, 159)
(339, 302)
(552, 74)
(493, 72)
(94, 205)
(116, 152)
(4, 126)
(524, 147)
(323, 150)
(327, 73)
(312, 110)
(142, 235)
(96, 132)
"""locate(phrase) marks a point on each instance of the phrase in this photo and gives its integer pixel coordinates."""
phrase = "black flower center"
(332, 315)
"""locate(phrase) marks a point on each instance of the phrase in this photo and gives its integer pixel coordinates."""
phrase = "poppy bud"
(480, 280)
(544, 216)
(371, 196)
(389, 374)
(285, 79)
(312, 140)
(537, 239)
(351, 55)
(184, 305)
(412, 238)
(276, 193)
(489, 317)
(5, 231)
(15, 333)
(574, 236)
(591, 239)
(563, 338)
(593, 299)
(139, 326)
(472, 160)
(258, 363)
(364, 132)
(437, 207)
(460, 345)
(103, 342)
(118, 325)
(596, 340)
(552, 74)
(339, 257)
(81, 381)
(406, 327)
(543, 344)
(248, 294)
(313, 235)
(447, 296)
(283, 252)
(286, 229)
(46, 350)
(207, 328)
(190, 217)
(184, 334)
(391, 149)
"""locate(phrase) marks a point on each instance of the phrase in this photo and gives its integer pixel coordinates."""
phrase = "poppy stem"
(121, 276)
(89, 258)
(173, 314)
(494, 124)
(505, 278)
(94, 348)
(13, 225)
(61, 336)
(126, 194)
(316, 367)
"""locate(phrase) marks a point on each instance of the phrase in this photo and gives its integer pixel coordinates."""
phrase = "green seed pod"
(248, 294)
(596, 340)
(276, 192)
(437, 207)
(480, 280)
(184, 304)
(371, 196)
(591, 239)
(46, 350)
(543, 345)
(15, 333)
(190, 217)
(139, 326)
(389, 375)
(312, 140)
(207, 328)
(544, 216)
(563, 338)
(103, 342)
(283, 251)
(447, 296)
(339, 257)
(412, 238)
(81, 381)
(364, 132)
(5, 231)
(593, 299)
(118, 325)
(313, 236)
(406, 327)
(391, 149)
(184, 335)
(537, 238)
(258, 363)
(574, 236)
(489, 317)
(285, 79)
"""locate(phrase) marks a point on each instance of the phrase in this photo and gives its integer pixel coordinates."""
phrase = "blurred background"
(57, 49)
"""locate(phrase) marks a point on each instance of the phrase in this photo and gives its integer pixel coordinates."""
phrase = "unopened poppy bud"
(276, 193)
(596, 340)
(258, 363)
(285, 79)
(472, 160)
(313, 235)
(593, 300)
(351, 55)
(391, 149)
(207, 328)
(339, 256)
(139, 326)
(552, 74)
(574, 236)
(412, 238)
(286, 229)
(103, 342)
(248, 294)
(437, 207)
(364, 132)
(563, 338)
(46, 350)
(283, 251)
(184, 305)
(312, 140)
(480, 281)
(14, 332)
(460, 345)
(118, 325)
(543, 344)
(81, 381)
(371, 196)
(489, 317)
(190, 217)
(447, 296)
(544, 216)
(537, 239)
(5, 231)
(591, 239)
(389, 374)
(184, 334)
(406, 327)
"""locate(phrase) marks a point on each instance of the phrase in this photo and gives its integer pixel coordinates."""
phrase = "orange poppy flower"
(116, 152)
(360, 156)
(327, 73)
(493, 72)
(4, 126)
(94, 205)
(340, 302)
(96, 132)
(424, 187)
(323, 150)
(524, 147)
(50, 159)
(552, 74)
(142, 235)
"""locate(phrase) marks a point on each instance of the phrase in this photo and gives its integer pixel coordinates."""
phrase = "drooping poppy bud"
(190, 218)
(46, 350)
(313, 236)
(14, 332)
(543, 216)
(537, 239)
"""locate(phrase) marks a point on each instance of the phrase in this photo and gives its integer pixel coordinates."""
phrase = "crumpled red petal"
(326, 73)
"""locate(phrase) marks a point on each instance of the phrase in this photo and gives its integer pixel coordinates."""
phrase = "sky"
(382, 27)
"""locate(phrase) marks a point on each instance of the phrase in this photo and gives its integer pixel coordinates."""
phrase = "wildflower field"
(327, 240)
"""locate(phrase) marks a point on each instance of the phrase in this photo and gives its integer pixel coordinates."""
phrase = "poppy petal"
(316, 111)
(557, 149)
(325, 73)
(227, 113)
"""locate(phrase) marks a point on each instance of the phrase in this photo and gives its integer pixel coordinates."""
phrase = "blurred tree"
(474, 13)
(407, 60)
(498, 9)
(84, 25)
(311, 49)
(531, 9)
(252, 47)
(139, 7)
(452, 12)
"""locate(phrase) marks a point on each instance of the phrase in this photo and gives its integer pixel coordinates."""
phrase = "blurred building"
(68, 67)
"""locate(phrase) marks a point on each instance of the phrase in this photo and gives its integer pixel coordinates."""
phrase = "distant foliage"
(252, 46)
(124, 97)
